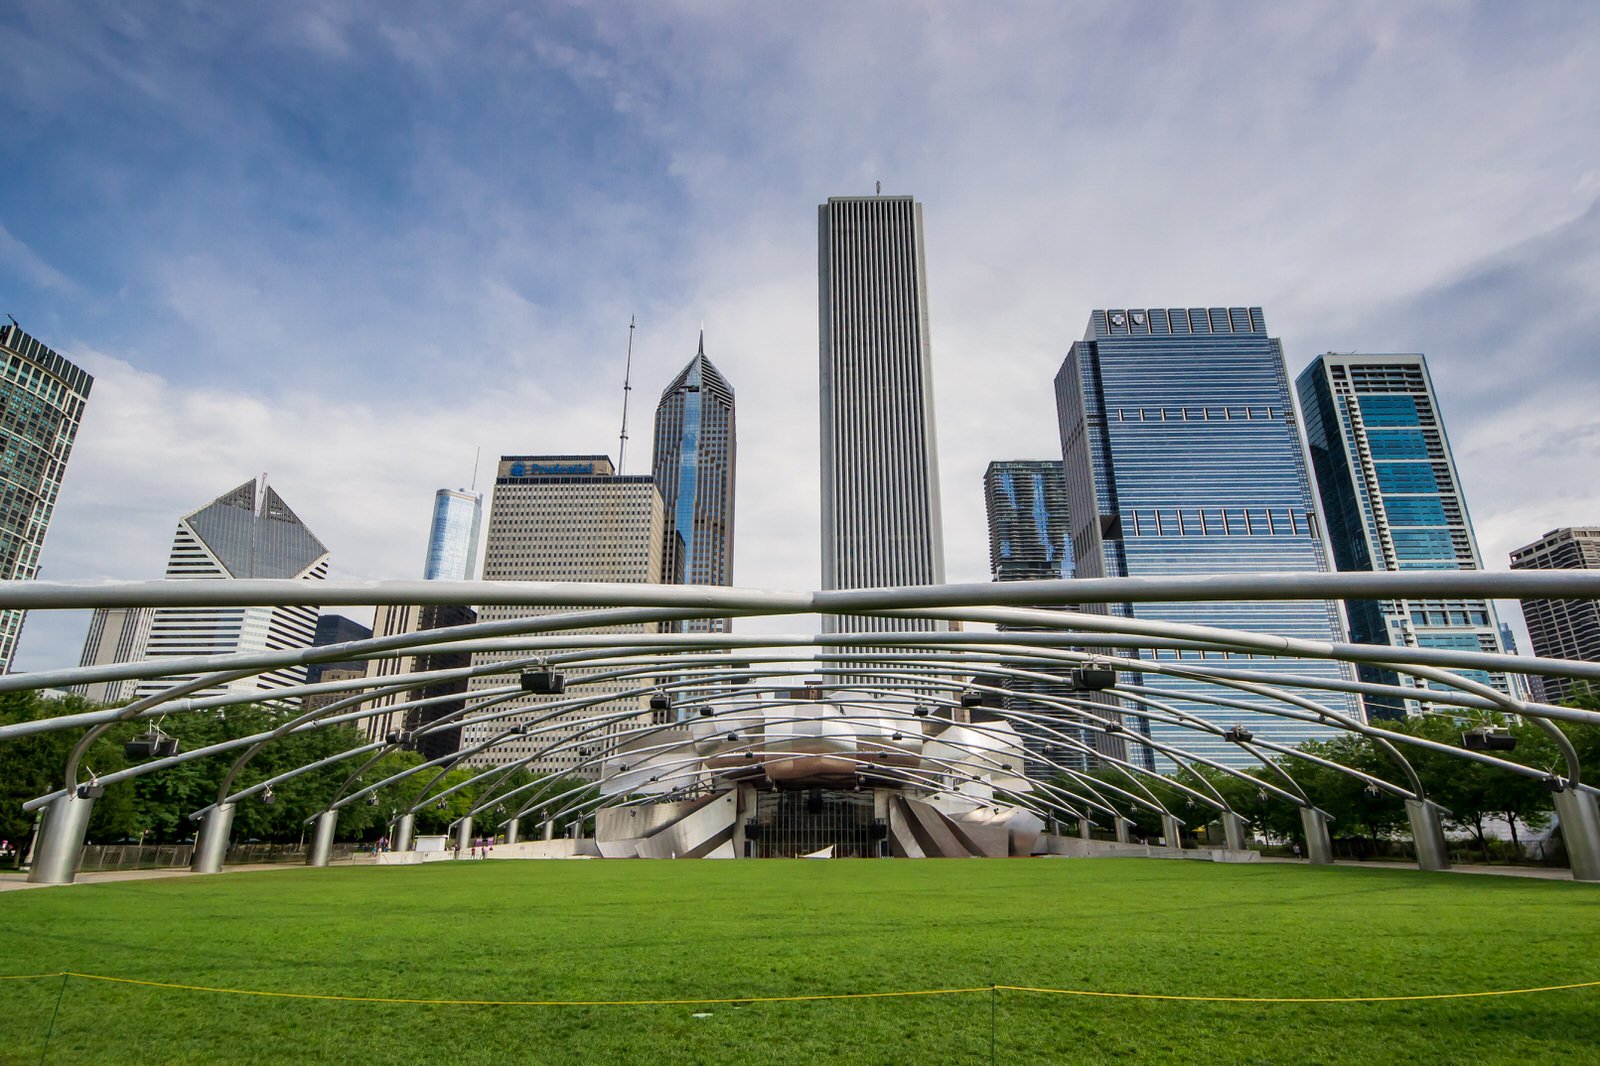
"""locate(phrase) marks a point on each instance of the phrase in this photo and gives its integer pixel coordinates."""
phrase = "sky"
(350, 244)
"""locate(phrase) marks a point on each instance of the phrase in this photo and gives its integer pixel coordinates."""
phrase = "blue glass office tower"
(1393, 502)
(453, 539)
(693, 466)
(1183, 456)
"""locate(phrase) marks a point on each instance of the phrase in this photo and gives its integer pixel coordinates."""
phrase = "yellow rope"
(1297, 999)
(532, 1002)
(793, 999)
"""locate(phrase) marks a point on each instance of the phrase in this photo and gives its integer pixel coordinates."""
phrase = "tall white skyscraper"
(565, 518)
(453, 539)
(116, 635)
(249, 532)
(880, 465)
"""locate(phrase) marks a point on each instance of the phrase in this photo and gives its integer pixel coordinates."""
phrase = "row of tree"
(1473, 793)
(154, 807)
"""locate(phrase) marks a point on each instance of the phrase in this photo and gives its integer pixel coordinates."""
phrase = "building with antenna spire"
(693, 466)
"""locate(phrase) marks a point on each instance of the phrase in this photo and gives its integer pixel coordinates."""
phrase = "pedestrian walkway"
(1547, 873)
(13, 880)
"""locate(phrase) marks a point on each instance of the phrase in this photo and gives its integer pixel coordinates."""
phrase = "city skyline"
(216, 214)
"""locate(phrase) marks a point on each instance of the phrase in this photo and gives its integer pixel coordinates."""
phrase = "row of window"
(1450, 618)
(1215, 522)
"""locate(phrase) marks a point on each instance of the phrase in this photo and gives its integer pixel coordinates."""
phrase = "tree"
(1360, 811)
(1471, 791)
(34, 765)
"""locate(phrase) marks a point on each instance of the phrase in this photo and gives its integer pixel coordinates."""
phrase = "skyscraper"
(880, 465)
(1393, 502)
(1523, 686)
(565, 518)
(452, 556)
(693, 464)
(1562, 629)
(1030, 539)
(393, 620)
(41, 405)
(248, 532)
(334, 629)
(116, 635)
(1182, 456)
(453, 538)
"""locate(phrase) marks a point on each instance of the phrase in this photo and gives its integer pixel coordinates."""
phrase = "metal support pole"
(1319, 845)
(60, 843)
(1123, 825)
(464, 836)
(404, 830)
(1428, 833)
(1172, 831)
(1085, 828)
(322, 841)
(1233, 831)
(211, 847)
(1580, 831)
(549, 830)
(513, 831)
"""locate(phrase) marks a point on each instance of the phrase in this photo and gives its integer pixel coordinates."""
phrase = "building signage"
(550, 469)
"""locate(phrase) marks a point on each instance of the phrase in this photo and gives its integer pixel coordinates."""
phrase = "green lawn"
(637, 930)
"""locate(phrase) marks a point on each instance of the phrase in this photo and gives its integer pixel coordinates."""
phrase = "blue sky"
(348, 244)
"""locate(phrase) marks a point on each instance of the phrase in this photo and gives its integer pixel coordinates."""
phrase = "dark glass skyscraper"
(880, 465)
(41, 404)
(1182, 456)
(1030, 539)
(1393, 502)
(693, 466)
(334, 629)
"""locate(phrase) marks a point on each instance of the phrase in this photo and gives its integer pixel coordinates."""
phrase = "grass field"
(652, 930)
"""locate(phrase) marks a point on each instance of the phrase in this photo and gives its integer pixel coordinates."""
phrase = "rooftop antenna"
(477, 457)
(627, 376)
(879, 185)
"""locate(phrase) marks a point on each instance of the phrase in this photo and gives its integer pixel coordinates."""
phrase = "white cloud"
(1375, 176)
